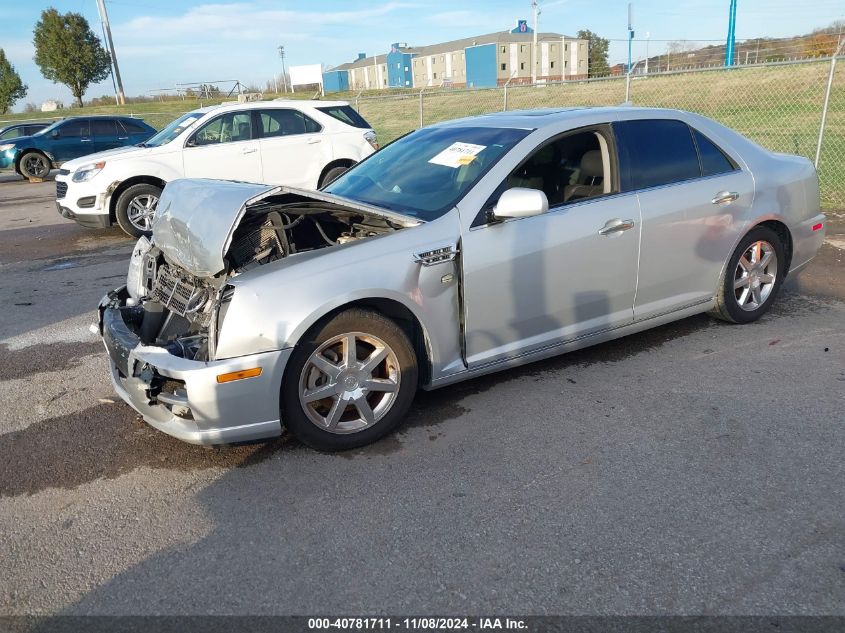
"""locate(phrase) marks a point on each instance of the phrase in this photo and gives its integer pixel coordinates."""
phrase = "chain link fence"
(778, 105)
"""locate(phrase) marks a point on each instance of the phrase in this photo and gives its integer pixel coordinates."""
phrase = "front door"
(224, 148)
(72, 139)
(537, 282)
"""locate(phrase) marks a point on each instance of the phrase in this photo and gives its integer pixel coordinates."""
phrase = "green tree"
(597, 65)
(68, 52)
(11, 86)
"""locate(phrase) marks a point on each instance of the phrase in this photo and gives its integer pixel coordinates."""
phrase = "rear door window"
(656, 152)
(346, 114)
(104, 128)
(283, 122)
(713, 160)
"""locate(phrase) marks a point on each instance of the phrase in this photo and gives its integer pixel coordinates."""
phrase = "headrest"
(591, 165)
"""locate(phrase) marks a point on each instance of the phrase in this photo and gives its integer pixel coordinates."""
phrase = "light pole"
(284, 76)
(630, 34)
(535, 5)
(647, 35)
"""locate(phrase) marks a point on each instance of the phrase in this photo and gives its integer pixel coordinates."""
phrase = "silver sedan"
(463, 248)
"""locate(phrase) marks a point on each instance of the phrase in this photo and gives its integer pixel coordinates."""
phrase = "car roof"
(541, 117)
(275, 103)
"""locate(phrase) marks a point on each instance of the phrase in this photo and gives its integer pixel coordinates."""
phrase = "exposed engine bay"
(172, 308)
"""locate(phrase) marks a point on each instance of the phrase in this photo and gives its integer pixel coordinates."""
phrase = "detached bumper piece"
(182, 397)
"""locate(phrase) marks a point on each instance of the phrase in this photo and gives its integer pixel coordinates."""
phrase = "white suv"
(285, 142)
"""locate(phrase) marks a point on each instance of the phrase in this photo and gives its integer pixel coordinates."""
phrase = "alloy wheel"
(141, 211)
(36, 165)
(755, 275)
(349, 383)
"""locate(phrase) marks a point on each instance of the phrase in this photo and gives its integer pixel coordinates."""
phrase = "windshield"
(174, 129)
(427, 172)
(48, 129)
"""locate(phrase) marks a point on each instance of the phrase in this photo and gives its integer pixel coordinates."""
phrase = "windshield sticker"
(188, 121)
(457, 154)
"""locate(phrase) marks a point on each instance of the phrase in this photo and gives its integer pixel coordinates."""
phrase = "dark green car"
(34, 156)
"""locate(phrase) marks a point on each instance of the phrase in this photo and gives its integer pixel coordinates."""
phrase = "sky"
(160, 43)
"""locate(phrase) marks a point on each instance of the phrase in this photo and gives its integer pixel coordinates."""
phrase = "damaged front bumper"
(182, 397)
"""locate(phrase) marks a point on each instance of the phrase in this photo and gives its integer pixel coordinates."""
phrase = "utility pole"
(104, 19)
(729, 44)
(284, 74)
(630, 33)
(535, 6)
(647, 36)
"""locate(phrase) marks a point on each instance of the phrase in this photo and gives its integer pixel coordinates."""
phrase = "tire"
(748, 289)
(333, 174)
(351, 414)
(135, 207)
(34, 165)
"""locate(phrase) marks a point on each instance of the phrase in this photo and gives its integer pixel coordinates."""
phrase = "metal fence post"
(421, 107)
(838, 52)
(505, 104)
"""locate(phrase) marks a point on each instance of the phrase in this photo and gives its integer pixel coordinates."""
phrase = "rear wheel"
(34, 165)
(136, 207)
(349, 382)
(752, 277)
(333, 174)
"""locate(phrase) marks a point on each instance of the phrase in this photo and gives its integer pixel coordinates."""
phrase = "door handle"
(311, 141)
(248, 150)
(614, 226)
(85, 140)
(122, 138)
(725, 197)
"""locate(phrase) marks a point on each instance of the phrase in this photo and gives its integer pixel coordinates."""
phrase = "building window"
(442, 58)
(406, 69)
(551, 64)
(522, 48)
(504, 66)
(566, 47)
(565, 63)
(504, 49)
(398, 65)
(521, 66)
(434, 76)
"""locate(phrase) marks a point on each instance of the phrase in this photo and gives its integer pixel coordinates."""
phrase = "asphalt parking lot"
(693, 469)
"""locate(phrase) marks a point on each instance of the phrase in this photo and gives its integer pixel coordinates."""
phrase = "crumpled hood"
(130, 151)
(196, 218)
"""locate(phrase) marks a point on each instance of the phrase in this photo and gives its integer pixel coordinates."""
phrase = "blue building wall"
(397, 62)
(336, 81)
(481, 66)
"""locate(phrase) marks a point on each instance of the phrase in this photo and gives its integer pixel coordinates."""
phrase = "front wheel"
(34, 165)
(753, 276)
(136, 207)
(349, 382)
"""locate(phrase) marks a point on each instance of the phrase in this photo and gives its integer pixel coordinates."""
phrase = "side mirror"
(191, 142)
(54, 134)
(520, 202)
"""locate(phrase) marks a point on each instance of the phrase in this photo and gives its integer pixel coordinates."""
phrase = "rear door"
(225, 148)
(693, 199)
(73, 139)
(105, 134)
(294, 149)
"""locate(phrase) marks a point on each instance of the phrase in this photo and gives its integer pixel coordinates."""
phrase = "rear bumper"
(807, 239)
(198, 410)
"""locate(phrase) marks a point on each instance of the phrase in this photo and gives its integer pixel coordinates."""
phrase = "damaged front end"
(162, 329)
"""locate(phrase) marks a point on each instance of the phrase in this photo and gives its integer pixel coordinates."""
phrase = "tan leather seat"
(590, 179)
